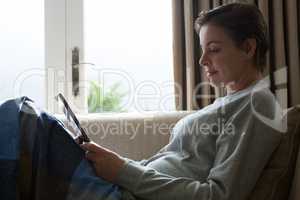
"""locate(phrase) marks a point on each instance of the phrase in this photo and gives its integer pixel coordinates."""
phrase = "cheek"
(228, 61)
(227, 67)
(221, 63)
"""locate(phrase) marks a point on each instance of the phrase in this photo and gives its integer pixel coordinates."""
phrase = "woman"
(205, 160)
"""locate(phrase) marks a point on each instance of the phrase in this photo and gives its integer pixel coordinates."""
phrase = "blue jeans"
(39, 160)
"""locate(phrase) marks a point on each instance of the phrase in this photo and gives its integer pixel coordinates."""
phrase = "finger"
(84, 146)
(91, 156)
(79, 140)
(90, 146)
(93, 147)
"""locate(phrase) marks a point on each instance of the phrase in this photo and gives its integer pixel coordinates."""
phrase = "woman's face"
(223, 62)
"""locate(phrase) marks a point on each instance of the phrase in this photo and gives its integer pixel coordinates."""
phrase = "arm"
(239, 160)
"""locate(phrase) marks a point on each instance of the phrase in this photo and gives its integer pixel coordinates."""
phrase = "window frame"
(63, 32)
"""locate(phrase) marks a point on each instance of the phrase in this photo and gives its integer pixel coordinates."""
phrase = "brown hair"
(240, 21)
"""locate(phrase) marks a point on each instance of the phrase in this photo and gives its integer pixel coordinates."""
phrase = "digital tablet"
(77, 132)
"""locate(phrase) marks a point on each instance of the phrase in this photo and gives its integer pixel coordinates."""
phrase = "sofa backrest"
(276, 180)
(295, 191)
(133, 135)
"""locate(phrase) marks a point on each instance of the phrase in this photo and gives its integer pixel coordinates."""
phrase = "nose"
(203, 61)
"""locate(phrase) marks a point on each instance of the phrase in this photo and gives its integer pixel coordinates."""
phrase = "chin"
(216, 83)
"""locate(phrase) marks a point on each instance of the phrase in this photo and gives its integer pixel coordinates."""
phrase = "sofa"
(140, 135)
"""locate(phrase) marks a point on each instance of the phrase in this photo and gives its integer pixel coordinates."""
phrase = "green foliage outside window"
(105, 101)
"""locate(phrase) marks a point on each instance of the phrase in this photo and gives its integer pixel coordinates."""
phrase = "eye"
(214, 50)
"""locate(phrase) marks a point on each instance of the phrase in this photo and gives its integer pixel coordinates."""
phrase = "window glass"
(22, 50)
(130, 44)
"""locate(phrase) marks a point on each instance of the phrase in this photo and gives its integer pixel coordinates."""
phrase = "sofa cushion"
(295, 193)
(276, 179)
(133, 135)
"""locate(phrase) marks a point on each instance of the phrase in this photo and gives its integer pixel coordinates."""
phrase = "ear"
(249, 46)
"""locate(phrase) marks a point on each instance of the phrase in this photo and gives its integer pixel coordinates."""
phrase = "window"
(22, 50)
(130, 44)
(123, 47)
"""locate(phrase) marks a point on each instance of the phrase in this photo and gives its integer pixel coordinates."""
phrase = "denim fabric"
(9, 147)
(40, 160)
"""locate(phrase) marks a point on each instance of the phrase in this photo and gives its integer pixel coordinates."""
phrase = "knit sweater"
(216, 153)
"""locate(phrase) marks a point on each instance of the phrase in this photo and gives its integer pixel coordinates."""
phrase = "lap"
(38, 158)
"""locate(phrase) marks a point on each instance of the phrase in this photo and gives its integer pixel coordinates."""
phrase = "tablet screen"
(72, 123)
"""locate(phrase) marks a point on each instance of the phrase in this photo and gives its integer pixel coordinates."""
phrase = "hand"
(107, 163)
(79, 139)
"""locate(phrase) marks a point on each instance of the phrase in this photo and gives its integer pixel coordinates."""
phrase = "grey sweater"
(216, 153)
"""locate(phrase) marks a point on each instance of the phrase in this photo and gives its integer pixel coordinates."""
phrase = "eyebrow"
(213, 41)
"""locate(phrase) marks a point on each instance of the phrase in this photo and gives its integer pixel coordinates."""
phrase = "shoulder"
(263, 101)
(267, 109)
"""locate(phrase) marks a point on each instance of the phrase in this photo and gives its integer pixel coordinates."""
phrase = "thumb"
(91, 146)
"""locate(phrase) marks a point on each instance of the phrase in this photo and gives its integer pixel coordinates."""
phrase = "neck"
(243, 82)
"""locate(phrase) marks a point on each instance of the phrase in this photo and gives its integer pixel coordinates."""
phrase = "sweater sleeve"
(239, 160)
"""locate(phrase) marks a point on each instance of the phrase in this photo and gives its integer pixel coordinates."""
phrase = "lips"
(211, 73)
